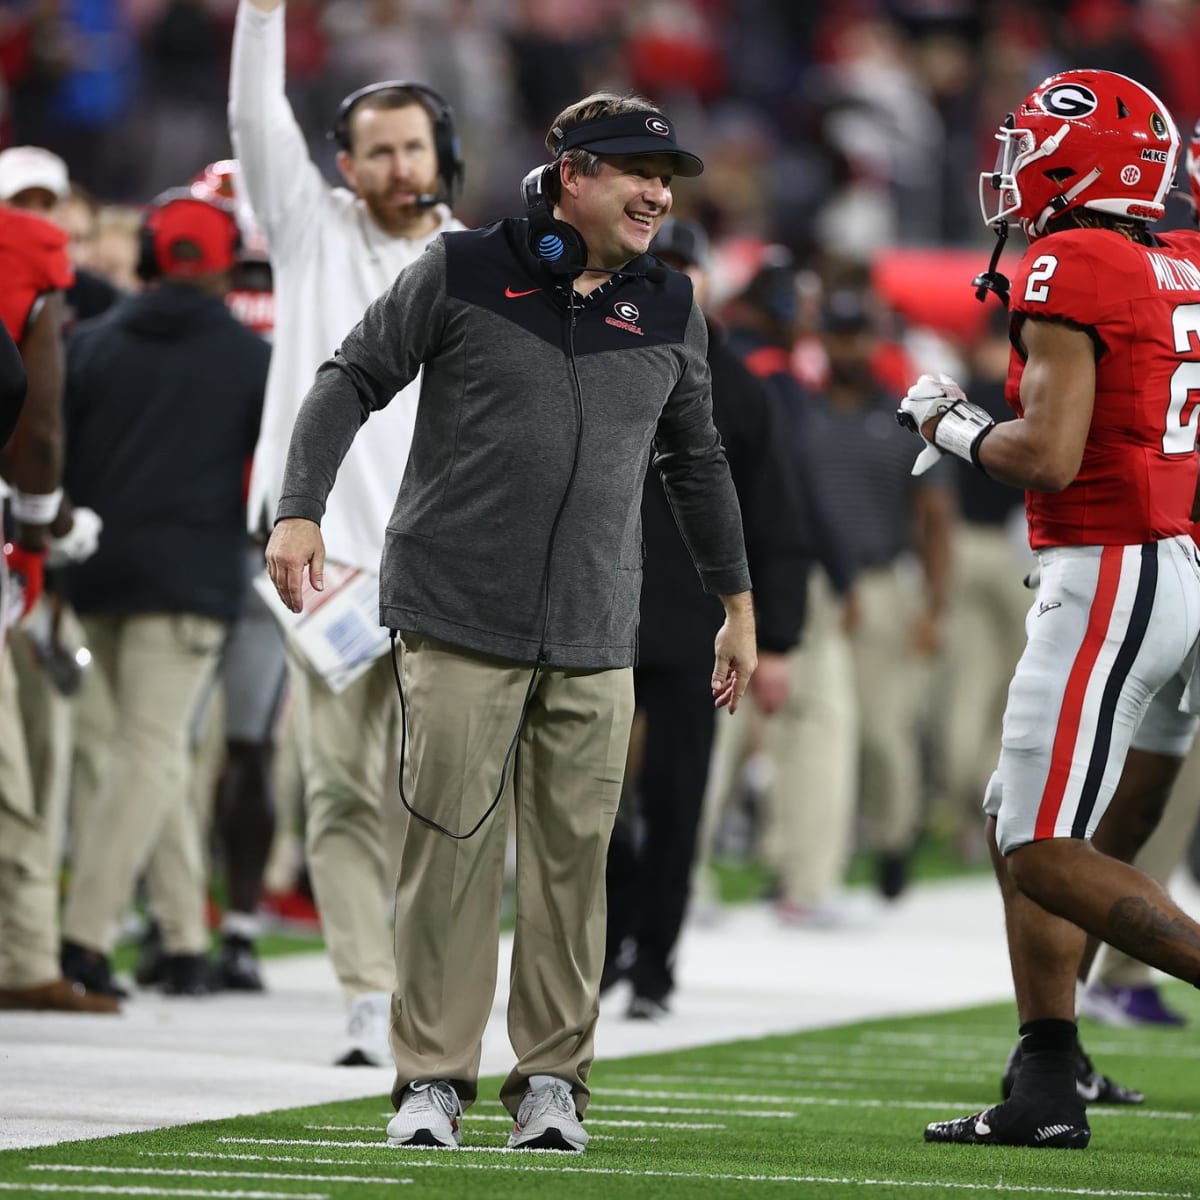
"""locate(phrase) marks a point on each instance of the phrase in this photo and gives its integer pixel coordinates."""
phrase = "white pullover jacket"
(330, 262)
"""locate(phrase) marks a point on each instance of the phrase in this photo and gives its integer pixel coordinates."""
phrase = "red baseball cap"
(192, 236)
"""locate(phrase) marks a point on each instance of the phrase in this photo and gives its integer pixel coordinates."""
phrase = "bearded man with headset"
(333, 250)
(557, 354)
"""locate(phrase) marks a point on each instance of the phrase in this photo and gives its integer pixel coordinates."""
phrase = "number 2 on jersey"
(1183, 412)
(1037, 288)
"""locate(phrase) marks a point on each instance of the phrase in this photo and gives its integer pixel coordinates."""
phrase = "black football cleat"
(1091, 1086)
(237, 968)
(1017, 1123)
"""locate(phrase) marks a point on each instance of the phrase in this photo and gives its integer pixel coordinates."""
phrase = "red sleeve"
(33, 261)
(1065, 276)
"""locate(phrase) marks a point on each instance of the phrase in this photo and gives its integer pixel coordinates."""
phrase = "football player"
(1104, 374)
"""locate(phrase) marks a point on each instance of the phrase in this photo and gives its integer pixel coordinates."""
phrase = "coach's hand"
(295, 544)
(737, 651)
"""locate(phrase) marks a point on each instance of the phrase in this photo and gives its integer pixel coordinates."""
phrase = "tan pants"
(985, 638)
(47, 714)
(187, 826)
(354, 825)
(134, 717)
(28, 857)
(892, 686)
(464, 711)
(1160, 857)
(812, 743)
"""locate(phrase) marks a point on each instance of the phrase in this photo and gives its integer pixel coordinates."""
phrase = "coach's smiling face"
(620, 209)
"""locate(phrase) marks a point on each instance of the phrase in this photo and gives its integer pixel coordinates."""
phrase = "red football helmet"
(1192, 166)
(1091, 139)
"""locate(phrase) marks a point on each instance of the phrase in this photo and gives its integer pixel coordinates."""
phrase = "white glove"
(962, 427)
(79, 542)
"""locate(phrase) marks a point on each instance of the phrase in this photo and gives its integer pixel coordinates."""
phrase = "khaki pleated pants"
(131, 771)
(464, 714)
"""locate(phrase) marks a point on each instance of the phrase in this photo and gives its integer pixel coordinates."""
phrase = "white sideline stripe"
(452, 1162)
(945, 1045)
(196, 1173)
(101, 1189)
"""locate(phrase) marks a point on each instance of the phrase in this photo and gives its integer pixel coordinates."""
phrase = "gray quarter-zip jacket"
(517, 528)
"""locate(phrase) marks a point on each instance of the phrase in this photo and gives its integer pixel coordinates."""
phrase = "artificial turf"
(827, 1113)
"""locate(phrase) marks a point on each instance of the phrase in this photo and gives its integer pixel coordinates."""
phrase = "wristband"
(31, 508)
(963, 426)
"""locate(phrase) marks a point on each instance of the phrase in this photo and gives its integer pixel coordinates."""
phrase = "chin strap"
(992, 280)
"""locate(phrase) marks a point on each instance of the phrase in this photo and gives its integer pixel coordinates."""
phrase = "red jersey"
(33, 261)
(1142, 303)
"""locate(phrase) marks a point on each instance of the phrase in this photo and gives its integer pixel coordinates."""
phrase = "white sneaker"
(547, 1119)
(367, 1027)
(428, 1116)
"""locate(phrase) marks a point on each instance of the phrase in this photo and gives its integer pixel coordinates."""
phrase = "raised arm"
(280, 179)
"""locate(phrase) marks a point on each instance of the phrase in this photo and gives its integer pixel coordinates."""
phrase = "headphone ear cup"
(558, 246)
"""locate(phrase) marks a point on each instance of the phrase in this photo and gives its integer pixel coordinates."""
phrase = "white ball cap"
(24, 167)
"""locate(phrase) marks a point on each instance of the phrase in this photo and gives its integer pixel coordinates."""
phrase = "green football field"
(829, 1113)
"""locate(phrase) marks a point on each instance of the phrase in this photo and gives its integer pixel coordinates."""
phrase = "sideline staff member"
(512, 567)
(333, 251)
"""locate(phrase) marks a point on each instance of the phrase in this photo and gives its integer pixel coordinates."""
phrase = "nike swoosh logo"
(511, 295)
(982, 1129)
(1088, 1092)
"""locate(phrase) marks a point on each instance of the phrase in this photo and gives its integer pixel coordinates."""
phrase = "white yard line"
(101, 1189)
(197, 1173)
(454, 1162)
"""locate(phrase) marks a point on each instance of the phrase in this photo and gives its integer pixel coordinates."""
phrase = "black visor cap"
(630, 134)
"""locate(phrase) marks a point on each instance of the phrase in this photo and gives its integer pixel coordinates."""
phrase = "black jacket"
(163, 400)
(678, 619)
(770, 364)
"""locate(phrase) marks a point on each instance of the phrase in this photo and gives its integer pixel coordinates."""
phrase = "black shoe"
(149, 970)
(1047, 1126)
(90, 968)
(1092, 1087)
(237, 965)
(187, 975)
(893, 875)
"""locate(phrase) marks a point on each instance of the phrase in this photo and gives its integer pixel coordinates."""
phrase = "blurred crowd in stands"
(848, 127)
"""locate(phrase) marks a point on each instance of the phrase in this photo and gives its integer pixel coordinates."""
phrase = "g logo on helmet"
(1070, 100)
(659, 126)
(626, 311)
